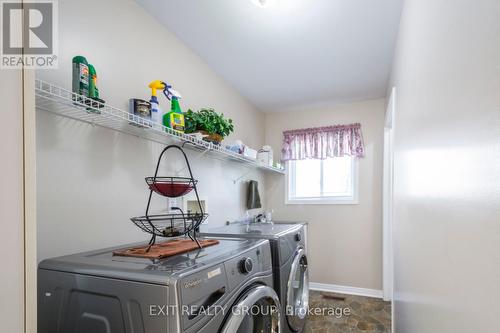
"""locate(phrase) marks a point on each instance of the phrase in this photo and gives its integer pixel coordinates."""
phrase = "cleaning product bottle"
(93, 91)
(80, 81)
(175, 118)
(156, 112)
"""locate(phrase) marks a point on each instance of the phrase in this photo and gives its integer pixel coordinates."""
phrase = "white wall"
(345, 245)
(91, 180)
(447, 167)
(11, 202)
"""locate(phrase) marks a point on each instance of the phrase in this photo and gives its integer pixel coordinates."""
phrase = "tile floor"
(349, 314)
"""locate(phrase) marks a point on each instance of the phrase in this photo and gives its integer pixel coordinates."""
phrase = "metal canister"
(141, 111)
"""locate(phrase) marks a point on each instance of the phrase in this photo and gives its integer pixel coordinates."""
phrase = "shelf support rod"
(195, 159)
(243, 176)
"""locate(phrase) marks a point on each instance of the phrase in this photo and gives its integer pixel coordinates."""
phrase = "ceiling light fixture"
(262, 3)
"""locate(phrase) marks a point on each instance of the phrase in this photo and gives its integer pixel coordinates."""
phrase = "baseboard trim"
(333, 288)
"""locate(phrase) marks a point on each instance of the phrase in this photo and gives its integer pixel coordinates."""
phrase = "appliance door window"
(297, 300)
(258, 310)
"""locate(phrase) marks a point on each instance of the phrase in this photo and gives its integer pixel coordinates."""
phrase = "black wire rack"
(173, 224)
(169, 225)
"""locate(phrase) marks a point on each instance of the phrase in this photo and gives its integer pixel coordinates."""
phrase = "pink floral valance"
(323, 142)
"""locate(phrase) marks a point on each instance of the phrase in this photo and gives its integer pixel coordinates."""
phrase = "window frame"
(337, 200)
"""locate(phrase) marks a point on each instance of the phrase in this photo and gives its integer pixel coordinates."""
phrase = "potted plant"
(214, 126)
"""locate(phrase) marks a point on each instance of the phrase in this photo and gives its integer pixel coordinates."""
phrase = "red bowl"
(171, 190)
(170, 186)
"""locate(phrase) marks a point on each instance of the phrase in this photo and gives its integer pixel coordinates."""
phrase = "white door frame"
(388, 182)
(30, 225)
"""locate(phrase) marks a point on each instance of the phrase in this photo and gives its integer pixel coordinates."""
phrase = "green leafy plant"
(209, 121)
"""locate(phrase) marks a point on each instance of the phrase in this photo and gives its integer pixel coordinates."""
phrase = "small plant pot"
(214, 138)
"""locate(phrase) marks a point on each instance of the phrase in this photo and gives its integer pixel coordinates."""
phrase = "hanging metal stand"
(171, 224)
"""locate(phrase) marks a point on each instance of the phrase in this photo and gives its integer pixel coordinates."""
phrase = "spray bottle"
(80, 80)
(156, 112)
(175, 118)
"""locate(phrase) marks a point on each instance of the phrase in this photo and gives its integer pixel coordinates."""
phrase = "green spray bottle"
(93, 90)
(175, 118)
(80, 81)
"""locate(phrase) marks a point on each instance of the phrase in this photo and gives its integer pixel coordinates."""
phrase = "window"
(329, 181)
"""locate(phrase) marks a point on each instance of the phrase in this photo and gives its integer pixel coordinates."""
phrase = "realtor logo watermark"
(29, 34)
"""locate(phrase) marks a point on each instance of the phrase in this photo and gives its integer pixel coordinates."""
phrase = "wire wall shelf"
(57, 100)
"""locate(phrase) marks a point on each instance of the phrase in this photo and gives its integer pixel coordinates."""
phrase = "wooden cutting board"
(165, 249)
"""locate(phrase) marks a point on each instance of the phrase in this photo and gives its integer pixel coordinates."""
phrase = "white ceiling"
(294, 53)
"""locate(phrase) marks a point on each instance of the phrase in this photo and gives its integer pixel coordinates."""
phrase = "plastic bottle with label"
(80, 81)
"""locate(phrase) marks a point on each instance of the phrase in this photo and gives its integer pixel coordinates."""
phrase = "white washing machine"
(203, 291)
(290, 265)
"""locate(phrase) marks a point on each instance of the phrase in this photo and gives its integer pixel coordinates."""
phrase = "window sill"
(321, 202)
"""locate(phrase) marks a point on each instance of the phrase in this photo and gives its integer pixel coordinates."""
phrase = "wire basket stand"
(171, 224)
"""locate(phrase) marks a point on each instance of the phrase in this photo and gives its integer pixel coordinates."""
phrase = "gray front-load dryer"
(203, 291)
(290, 266)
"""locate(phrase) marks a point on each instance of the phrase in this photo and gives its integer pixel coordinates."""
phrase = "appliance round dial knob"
(298, 237)
(245, 265)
